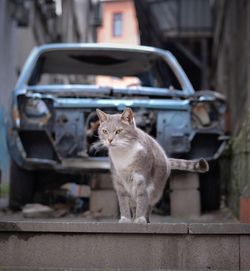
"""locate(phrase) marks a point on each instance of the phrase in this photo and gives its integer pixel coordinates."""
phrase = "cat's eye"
(104, 131)
(118, 131)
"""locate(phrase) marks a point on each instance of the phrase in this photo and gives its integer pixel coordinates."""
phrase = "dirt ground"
(223, 215)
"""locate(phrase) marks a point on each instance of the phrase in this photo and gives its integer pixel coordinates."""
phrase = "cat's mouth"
(111, 145)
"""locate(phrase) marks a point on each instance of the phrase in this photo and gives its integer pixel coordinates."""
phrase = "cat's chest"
(122, 159)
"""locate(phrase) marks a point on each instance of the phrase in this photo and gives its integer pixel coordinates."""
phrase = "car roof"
(133, 51)
(98, 46)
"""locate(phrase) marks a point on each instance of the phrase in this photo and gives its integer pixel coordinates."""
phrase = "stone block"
(184, 180)
(185, 196)
(91, 251)
(219, 228)
(104, 202)
(51, 226)
(49, 244)
(113, 251)
(245, 252)
(101, 181)
(185, 203)
(214, 252)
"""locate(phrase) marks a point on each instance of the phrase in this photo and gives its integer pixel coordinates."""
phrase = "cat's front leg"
(141, 199)
(123, 200)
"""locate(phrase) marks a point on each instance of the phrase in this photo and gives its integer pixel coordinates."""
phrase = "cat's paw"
(141, 220)
(124, 219)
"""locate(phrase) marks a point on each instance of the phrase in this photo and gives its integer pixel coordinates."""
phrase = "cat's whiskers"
(123, 144)
(98, 146)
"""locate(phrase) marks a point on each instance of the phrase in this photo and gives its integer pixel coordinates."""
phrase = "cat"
(139, 165)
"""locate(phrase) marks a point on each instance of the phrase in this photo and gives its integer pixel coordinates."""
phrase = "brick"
(104, 202)
(244, 210)
(245, 205)
(185, 203)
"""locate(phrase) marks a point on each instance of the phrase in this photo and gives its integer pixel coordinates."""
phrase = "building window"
(117, 24)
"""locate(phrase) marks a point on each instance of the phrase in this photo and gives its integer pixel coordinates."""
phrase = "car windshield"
(111, 68)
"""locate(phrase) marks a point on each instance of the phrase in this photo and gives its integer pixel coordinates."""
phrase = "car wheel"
(21, 186)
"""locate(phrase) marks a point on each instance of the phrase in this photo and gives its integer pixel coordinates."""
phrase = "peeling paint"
(4, 154)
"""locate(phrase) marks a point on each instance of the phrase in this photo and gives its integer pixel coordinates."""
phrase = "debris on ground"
(56, 203)
(97, 215)
(80, 195)
(77, 190)
(36, 210)
(61, 210)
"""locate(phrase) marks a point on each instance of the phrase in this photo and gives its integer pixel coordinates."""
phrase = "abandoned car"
(53, 122)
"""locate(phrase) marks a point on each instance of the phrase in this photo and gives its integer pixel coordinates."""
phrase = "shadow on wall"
(4, 154)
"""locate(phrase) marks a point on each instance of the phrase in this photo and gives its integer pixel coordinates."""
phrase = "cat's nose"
(110, 140)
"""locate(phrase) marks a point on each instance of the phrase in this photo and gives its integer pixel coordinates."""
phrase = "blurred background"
(209, 38)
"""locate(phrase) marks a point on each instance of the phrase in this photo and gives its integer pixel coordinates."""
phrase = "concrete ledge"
(112, 246)
(219, 228)
(92, 227)
(114, 227)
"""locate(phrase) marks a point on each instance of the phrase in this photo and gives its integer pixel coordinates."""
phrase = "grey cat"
(140, 167)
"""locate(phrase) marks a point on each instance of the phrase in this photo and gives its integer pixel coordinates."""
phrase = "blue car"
(53, 123)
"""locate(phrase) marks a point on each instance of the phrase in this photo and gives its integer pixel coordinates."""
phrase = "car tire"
(21, 187)
(210, 188)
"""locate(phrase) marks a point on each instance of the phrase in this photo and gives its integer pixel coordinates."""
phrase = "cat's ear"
(101, 115)
(128, 115)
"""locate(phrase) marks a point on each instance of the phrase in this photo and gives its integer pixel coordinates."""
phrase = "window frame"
(117, 24)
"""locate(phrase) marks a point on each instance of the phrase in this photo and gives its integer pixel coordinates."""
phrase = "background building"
(119, 25)
(185, 28)
(119, 22)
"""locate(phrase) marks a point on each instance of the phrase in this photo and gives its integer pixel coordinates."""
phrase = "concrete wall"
(231, 76)
(113, 246)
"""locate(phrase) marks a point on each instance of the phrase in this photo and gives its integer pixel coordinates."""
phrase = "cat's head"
(117, 130)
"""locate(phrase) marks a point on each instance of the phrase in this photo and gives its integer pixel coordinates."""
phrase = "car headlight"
(35, 111)
(204, 114)
(35, 108)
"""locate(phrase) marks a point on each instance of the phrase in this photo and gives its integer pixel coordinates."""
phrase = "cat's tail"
(200, 165)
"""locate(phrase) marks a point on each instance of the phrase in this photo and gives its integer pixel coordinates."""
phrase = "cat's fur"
(140, 167)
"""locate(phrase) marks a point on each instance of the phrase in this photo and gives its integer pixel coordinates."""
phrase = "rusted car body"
(53, 121)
